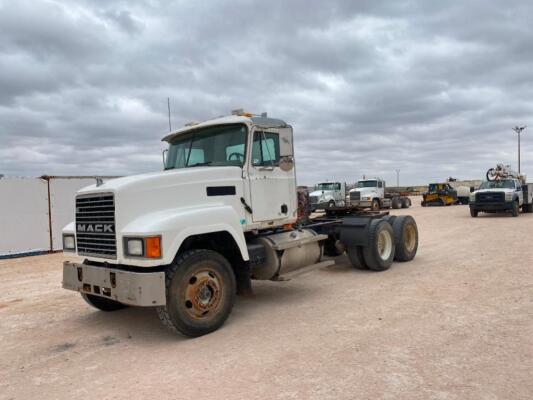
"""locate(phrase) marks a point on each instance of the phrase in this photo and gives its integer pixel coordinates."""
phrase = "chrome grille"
(313, 199)
(355, 195)
(95, 225)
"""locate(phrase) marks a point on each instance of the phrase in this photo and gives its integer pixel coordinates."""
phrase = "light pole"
(397, 178)
(518, 130)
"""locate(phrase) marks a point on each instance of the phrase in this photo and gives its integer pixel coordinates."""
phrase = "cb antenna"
(169, 124)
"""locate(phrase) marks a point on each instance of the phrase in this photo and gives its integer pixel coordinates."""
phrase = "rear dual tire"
(379, 254)
(406, 237)
(396, 203)
(403, 233)
(405, 202)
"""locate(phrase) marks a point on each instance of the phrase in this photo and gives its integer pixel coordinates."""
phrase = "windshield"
(363, 184)
(214, 146)
(328, 186)
(501, 184)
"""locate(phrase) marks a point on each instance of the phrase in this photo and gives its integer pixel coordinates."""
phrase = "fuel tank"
(286, 252)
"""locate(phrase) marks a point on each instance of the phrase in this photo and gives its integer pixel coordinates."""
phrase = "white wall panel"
(23, 216)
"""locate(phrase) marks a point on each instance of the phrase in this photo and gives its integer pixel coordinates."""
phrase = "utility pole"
(397, 178)
(518, 130)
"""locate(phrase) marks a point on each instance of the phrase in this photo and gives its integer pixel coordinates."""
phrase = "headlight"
(135, 247)
(69, 242)
(508, 196)
(145, 247)
(472, 197)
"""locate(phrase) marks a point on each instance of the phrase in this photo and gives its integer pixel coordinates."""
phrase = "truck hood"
(495, 190)
(167, 191)
(364, 191)
(163, 179)
(320, 193)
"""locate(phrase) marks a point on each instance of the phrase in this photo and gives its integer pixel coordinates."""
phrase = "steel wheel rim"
(202, 293)
(409, 235)
(384, 244)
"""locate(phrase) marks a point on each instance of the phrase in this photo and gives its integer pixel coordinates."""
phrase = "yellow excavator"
(439, 194)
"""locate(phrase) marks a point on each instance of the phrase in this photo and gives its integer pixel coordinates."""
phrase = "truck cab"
(500, 195)
(368, 193)
(328, 195)
(233, 174)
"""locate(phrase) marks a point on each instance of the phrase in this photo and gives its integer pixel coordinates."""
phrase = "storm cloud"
(369, 86)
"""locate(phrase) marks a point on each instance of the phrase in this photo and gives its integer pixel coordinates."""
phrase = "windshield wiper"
(199, 164)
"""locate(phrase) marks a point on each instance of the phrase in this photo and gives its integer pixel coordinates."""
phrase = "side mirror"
(165, 154)
(285, 142)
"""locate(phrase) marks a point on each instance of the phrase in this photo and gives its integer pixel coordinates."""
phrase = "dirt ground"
(455, 323)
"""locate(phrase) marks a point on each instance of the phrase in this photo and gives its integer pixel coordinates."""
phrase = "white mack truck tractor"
(504, 190)
(224, 211)
(373, 194)
(328, 195)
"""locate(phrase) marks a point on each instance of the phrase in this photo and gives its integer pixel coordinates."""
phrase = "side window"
(265, 149)
(337, 186)
(380, 184)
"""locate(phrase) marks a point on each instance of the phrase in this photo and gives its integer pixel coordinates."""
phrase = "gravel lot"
(455, 323)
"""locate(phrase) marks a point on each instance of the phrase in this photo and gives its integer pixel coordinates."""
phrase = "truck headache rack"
(95, 225)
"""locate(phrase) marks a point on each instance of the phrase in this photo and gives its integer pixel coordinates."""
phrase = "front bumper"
(361, 203)
(143, 289)
(320, 205)
(495, 207)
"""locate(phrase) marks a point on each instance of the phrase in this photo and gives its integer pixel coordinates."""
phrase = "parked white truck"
(328, 195)
(224, 211)
(504, 191)
(372, 193)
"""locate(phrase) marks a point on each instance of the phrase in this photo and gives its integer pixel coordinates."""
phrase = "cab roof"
(263, 122)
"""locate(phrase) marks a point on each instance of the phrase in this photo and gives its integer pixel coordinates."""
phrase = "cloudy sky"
(431, 88)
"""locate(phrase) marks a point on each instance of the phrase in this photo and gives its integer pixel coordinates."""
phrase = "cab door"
(272, 176)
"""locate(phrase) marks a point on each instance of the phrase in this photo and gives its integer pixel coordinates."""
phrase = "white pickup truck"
(223, 212)
(502, 195)
(372, 193)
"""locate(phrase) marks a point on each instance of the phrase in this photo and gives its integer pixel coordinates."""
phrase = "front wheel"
(515, 210)
(101, 303)
(375, 205)
(201, 289)
(473, 213)
(331, 204)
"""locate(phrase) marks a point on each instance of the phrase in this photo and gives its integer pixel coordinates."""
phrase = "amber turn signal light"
(153, 247)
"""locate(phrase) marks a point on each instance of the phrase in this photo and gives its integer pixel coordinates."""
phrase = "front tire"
(201, 290)
(474, 213)
(375, 205)
(515, 210)
(101, 303)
